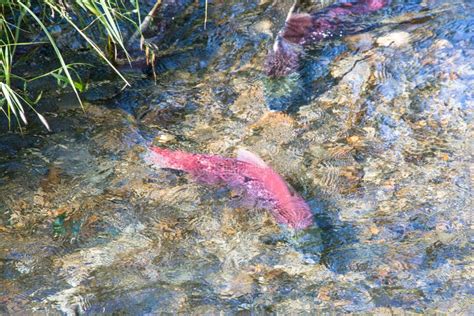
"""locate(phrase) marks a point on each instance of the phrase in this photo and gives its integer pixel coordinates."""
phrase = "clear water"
(378, 141)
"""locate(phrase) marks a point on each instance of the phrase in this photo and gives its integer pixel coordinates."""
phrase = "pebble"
(394, 39)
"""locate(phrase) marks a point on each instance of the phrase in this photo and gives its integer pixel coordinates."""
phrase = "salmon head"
(290, 208)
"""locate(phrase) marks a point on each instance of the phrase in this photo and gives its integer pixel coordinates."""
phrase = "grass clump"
(21, 18)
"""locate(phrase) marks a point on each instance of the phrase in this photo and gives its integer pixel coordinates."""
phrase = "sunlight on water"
(377, 139)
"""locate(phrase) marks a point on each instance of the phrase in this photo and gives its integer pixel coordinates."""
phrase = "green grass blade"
(56, 50)
(94, 45)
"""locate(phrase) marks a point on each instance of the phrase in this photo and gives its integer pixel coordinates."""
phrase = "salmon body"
(247, 172)
(303, 29)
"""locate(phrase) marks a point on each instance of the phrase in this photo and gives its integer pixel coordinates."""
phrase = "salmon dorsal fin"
(251, 158)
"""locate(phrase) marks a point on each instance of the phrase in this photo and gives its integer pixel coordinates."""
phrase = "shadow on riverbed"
(299, 88)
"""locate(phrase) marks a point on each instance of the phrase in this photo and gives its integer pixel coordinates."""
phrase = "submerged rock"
(395, 39)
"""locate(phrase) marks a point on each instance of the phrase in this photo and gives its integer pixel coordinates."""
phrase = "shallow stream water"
(378, 140)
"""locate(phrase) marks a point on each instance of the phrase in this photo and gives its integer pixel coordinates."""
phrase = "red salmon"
(302, 29)
(249, 172)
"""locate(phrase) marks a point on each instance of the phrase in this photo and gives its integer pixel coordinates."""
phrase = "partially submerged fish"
(302, 29)
(249, 172)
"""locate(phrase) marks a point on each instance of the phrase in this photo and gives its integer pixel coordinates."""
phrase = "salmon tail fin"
(172, 159)
(159, 157)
